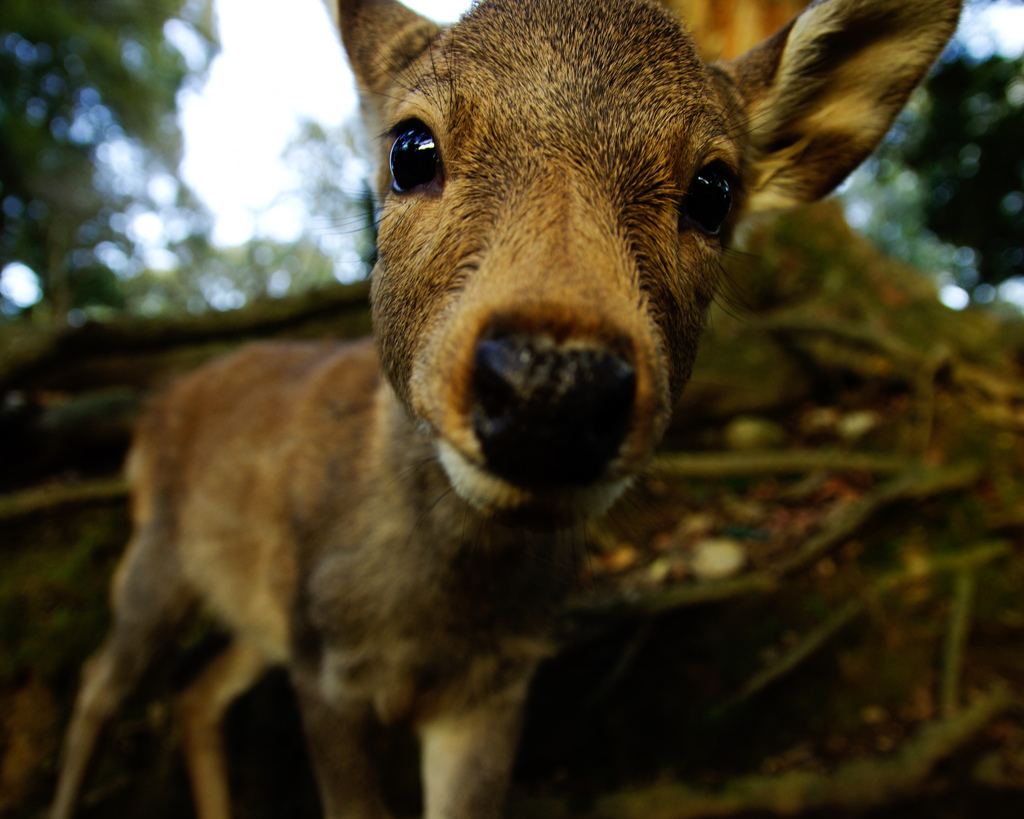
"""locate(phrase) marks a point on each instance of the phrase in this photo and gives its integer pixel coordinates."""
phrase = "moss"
(53, 590)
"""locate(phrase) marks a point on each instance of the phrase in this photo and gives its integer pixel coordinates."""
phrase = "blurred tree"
(89, 139)
(946, 189)
(334, 192)
(329, 202)
(90, 198)
(969, 155)
(228, 278)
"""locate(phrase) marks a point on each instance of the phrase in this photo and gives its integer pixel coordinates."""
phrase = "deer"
(395, 521)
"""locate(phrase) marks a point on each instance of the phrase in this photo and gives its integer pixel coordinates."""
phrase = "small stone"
(718, 558)
(874, 715)
(619, 559)
(819, 420)
(696, 525)
(885, 743)
(749, 432)
(659, 571)
(917, 563)
(826, 568)
(658, 487)
(856, 425)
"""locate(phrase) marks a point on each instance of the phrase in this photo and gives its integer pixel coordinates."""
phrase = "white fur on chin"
(489, 493)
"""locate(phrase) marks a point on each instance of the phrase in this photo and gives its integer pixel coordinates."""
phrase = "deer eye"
(413, 157)
(709, 199)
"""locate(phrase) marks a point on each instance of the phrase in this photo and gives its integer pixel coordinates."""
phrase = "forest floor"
(811, 604)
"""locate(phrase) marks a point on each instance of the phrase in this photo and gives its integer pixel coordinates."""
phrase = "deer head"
(558, 182)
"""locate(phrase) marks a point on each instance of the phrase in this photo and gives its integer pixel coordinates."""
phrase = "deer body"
(394, 524)
(335, 560)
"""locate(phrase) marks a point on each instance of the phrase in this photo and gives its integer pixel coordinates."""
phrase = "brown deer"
(394, 524)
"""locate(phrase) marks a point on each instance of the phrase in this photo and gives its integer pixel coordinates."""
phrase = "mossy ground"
(828, 332)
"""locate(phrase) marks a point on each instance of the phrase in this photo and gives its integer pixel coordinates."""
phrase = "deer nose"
(548, 414)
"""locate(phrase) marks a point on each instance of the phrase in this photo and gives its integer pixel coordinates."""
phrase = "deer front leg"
(336, 733)
(201, 707)
(467, 759)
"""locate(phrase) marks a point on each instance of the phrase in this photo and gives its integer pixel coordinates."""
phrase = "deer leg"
(337, 738)
(149, 600)
(200, 710)
(467, 759)
(107, 677)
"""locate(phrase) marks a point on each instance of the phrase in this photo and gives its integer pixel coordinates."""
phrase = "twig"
(739, 464)
(924, 400)
(995, 398)
(994, 387)
(656, 601)
(907, 358)
(638, 640)
(964, 563)
(797, 654)
(914, 484)
(50, 498)
(956, 640)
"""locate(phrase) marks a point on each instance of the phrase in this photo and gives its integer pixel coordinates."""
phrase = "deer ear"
(382, 38)
(820, 95)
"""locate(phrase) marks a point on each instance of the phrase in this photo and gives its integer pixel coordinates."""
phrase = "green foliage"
(946, 189)
(90, 196)
(969, 158)
(228, 278)
(87, 118)
(53, 587)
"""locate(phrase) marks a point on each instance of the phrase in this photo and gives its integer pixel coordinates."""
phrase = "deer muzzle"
(549, 414)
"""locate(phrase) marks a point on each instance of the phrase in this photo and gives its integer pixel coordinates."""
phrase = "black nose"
(547, 414)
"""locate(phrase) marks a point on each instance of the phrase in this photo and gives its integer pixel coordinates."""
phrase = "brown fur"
(350, 526)
(727, 28)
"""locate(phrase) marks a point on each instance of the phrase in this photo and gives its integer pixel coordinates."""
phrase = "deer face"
(546, 260)
(559, 179)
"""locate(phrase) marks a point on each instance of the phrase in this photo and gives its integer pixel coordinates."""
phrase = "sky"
(281, 63)
(273, 71)
(276, 69)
